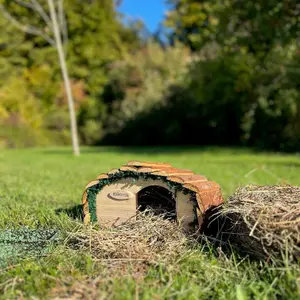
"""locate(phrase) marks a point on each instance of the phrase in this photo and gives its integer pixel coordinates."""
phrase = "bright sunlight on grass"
(35, 184)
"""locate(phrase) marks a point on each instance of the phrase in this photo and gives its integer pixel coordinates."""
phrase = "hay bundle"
(148, 239)
(264, 221)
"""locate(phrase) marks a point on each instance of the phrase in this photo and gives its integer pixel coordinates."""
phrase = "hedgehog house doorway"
(178, 194)
(159, 200)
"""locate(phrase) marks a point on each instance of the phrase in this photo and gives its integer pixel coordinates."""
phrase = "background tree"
(96, 38)
(55, 24)
(193, 22)
(233, 79)
(242, 86)
(255, 25)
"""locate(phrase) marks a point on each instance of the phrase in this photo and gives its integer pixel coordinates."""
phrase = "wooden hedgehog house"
(178, 194)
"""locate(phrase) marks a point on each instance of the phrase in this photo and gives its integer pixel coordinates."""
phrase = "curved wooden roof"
(208, 193)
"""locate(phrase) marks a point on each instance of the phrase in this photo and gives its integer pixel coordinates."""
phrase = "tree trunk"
(64, 70)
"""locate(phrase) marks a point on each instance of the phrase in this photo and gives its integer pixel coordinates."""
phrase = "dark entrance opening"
(159, 200)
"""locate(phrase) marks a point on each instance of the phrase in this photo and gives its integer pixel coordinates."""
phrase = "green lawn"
(34, 183)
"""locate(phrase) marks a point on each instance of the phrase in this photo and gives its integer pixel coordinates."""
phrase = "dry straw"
(263, 221)
(125, 250)
(146, 239)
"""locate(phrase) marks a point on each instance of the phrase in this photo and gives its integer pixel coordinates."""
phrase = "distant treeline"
(228, 75)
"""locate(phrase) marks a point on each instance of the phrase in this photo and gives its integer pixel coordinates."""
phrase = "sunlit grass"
(35, 183)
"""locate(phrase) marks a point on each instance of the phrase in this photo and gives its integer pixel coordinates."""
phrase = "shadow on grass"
(75, 212)
(230, 235)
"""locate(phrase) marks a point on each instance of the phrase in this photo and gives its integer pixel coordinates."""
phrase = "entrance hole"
(159, 200)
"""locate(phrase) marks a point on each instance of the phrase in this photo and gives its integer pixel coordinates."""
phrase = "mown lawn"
(35, 183)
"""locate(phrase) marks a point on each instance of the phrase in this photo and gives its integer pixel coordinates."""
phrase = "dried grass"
(148, 239)
(125, 250)
(263, 221)
(86, 288)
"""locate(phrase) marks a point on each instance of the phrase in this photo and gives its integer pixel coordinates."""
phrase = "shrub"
(225, 99)
(141, 82)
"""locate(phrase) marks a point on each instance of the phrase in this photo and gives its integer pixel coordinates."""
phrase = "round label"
(119, 195)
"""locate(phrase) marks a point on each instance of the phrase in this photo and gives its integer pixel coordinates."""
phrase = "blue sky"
(150, 11)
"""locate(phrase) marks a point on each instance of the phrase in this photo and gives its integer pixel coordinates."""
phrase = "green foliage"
(96, 38)
(18, 101)
(227, 99)
(233, 77)
(241, 87)
(253, 25)
(259, 25)
(193, 22)
(141, 82)
(31, 86)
